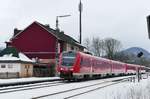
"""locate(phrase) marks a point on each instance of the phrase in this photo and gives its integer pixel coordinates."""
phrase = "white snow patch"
(2, 81)
(9, 57)
(24, 58)
(126, 90)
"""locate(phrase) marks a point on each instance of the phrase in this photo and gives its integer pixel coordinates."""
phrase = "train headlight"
(61, 69)
(71, 69)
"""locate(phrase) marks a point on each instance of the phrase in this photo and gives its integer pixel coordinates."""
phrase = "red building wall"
(37, 40)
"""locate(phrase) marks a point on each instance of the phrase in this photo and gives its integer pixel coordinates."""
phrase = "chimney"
(8, 44)
(62, 32)
(47, 26)
(16, 31)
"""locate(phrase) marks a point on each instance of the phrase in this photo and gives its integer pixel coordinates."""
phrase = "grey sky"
(124, 20)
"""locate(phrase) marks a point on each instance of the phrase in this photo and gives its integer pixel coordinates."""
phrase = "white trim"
(39, 52)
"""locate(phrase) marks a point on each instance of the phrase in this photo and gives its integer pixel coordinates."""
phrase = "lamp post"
(57, 28)
(57, 22)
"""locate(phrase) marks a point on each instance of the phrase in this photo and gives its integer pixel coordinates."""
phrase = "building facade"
(43, 44)
(39, 41)
(15, 69)
(14, 64)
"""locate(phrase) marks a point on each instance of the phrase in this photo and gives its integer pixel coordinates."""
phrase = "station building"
(43, 44)
(14, 64)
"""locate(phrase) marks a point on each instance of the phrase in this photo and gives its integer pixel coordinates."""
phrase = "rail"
(112, 82)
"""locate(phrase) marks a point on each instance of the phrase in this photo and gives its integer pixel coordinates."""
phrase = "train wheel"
(86, 77)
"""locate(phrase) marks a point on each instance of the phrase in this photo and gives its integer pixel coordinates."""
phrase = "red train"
(78, 65)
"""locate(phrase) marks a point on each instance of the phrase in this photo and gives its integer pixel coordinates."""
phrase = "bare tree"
(123, 57)
(87, 44)
(97, 46)
(107, 47)
(111, 46)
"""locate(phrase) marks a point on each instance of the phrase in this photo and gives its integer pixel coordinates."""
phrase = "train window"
(72, 48)
(68, 61)
(68, 58)
(85, 62)
(81, 62)
(117, 65)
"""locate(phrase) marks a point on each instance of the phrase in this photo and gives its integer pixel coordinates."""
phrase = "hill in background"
(130, 56)
(135, 50)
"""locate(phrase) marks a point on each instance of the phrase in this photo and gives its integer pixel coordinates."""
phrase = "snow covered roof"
(11, 54)
(10, 58)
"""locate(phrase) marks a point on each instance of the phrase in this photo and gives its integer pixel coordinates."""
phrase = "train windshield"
(68, 58)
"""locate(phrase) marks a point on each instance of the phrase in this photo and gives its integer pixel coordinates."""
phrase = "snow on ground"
(126, 90)
(28, 94)
(2, 81)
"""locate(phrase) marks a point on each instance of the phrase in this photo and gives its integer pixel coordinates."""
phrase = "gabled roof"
(10, 54)
(59, 35)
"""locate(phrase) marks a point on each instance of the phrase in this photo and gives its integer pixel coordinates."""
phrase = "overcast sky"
(124, 20)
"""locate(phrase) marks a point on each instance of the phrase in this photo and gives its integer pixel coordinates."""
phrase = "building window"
(3, 66)
(76, 49)
(10, 66)
(27, 66)
(72, 48)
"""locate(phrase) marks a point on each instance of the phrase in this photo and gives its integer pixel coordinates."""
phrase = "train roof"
(118, 62)
(92, 56)
(104, 59)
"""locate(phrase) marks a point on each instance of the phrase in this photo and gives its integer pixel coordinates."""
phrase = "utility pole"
(80, 20)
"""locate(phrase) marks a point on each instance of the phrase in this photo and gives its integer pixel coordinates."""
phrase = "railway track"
(29, 87)
(68, 97)
(82, 90)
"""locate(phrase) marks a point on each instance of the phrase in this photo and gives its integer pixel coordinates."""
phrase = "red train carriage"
(118, 68)
(78, 65)
(68, 64)
(93, 66)
(142, 69)
(131, 68)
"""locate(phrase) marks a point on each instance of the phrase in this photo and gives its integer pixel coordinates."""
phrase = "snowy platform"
(124, 90)
(8, 82)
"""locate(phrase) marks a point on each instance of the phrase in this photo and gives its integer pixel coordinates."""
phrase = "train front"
(67, 65)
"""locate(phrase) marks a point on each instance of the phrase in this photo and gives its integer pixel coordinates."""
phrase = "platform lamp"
(57, 22)
(57, 28)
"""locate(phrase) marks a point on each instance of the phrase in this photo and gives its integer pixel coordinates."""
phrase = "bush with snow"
(133, 90)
